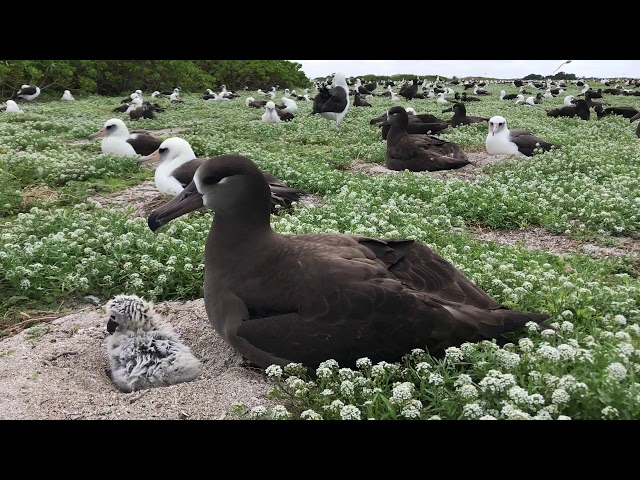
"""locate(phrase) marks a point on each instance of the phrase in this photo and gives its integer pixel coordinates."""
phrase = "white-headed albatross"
(144, 351)
(502, 141)
(118, 141)
(28, 92)
(178, 164)
(278, 298)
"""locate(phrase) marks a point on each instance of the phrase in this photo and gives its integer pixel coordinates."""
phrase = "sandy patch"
(537, 238)
(58, 370)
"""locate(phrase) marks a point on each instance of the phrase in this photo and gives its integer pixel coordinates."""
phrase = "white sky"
(470, 68)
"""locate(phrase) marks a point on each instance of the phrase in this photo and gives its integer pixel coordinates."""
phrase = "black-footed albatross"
(278, 298)
(460, 116)
(417, 152)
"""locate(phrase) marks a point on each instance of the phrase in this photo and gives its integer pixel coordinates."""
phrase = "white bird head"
(497, 124)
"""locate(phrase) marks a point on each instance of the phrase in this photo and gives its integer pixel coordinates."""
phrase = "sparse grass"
(55, 246)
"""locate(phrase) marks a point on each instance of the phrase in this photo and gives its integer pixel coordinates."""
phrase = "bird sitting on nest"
(502, 141)
(143, 351)
(118, 141)
(278, 298)
(178, 163)
(417, 153)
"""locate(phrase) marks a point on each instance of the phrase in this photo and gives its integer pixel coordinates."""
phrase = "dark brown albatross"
(417, 152)
(279, 298)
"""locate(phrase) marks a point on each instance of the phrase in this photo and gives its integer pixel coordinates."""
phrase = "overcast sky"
(470, 68)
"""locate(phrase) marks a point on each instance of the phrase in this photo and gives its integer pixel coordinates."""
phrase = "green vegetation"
(57, 245)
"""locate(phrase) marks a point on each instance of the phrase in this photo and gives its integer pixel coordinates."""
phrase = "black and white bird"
(502, 141)
(360, 100)
(252, 102)
(507, 96)
(118, 141)
(177, 164)
(143, 350)
(275, 115)
(27, 92)
(333, 104)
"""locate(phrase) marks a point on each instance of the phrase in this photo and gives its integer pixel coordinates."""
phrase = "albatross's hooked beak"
(494, 128)
(188, 200)
(152, 157)
(100, 133)
(450, 109)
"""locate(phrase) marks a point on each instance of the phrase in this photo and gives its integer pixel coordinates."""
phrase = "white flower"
(279, 412)
(363, 362)
(435, 379)
(563, 417)
(310, 415)
(346, 388)
(331, 363)
(463, 379)
(258, 412)
(472, 410)
(620, 319)
(25, 284)
(513, 413)
(567, 314)
(496, 381)
(548, 352)
(609, 412)
(525, 344)
(487, 417)
(624, 336)
(273, 371)
(566, 327)
(566, 351)
(617, 371)
(518, 395)
(350, 412)
(531, 326)
(402, 392)
(453, 354)
(346, 374)
(468, 392)
(326, 392)
(434, 417)
(423, 368)
(543, 415)
(412, 409)
(625, 349)
(508, 359)
(548, 333)
(560, 395)
(417, 351)
(324, 372)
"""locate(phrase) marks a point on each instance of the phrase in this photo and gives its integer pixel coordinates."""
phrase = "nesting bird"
(502, 141)
(278, 298)
(66, 96)
(12, 107)
(27, 92)
(178, 164)
(275, 115)
(118, 141)
(143, 351)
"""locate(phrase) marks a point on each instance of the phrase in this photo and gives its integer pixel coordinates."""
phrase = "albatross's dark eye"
(162, 150)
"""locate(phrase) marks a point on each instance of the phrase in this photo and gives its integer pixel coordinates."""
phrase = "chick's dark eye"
(501, 123)
(112, 316)
(109, 126)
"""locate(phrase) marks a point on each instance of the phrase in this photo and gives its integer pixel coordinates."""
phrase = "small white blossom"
(508, 359)
(412, 409)
(258, 412)
(525, 344)
(324, 372)
(617, 371)
(346, 388)
(310, 415)
(548, 352)
(363, 362)
(468, 392)
(560, 395)
(532, 326)
(434, 417)
(496, 381)
(548, 333)
(463, 379)
(566, 327)
(453, 354)
(620, 319)
(279, 412)
(435, 379)
(402, 392)
(564, 417)
(423, 368)
(274, 371)
(487, 417)
(350, 412)
(472, 410)
(512, 413)
(609, 412)
(327, 392)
